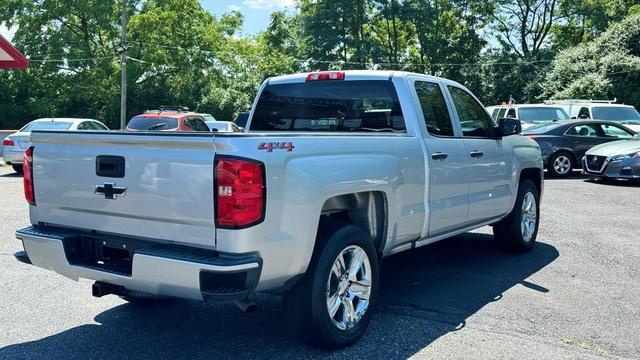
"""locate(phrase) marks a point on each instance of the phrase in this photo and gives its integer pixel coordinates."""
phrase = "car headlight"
(626, 156)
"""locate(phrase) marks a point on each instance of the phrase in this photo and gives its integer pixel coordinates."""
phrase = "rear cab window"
(46, 125)
(152, 123)
(329, 106)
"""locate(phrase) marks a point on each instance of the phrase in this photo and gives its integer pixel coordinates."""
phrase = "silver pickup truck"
(335, 171)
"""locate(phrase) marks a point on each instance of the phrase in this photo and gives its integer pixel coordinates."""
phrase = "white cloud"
(267, 4)
(234, 8)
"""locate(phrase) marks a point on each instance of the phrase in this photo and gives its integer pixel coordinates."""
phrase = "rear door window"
(152, 123)
(434, 109)
(329, 106)
(614, 131)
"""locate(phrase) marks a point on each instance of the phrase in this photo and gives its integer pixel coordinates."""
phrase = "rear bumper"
(143, 266)
(12, 157)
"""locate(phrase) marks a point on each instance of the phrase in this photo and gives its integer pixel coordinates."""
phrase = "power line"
(71, 60)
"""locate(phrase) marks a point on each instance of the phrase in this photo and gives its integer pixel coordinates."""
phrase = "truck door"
(447, 171)
(490, 160)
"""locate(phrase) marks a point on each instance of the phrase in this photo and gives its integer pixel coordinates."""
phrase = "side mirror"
(508, 126)
(214, 130)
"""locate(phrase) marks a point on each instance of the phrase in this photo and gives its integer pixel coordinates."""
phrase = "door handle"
(439, 156)
(476, 154)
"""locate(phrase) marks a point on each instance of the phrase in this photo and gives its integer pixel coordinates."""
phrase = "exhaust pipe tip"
(246, 306)
(100, 289)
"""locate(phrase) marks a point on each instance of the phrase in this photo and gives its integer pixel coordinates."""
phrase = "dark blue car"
(564, 143)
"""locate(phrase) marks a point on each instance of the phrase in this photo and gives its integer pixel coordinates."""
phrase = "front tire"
(519, 230)
(333, 304)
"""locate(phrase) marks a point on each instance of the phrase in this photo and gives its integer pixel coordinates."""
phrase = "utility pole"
(123, 68)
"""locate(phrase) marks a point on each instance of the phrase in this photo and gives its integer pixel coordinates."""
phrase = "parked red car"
(167, 120)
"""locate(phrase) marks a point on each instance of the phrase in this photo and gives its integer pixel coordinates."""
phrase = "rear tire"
(17, 168)
(561, 164)
(519, 230)
(342, 280)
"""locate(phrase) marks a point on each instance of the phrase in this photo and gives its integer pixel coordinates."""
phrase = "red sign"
(10, 58)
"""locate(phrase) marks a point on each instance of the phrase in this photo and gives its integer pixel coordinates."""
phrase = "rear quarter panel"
(299, 182)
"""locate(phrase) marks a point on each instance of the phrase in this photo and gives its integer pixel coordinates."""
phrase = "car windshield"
(152, 123)
(622, 114)
(541, 114)
(46, 125)
(208, 117)
(359, 106)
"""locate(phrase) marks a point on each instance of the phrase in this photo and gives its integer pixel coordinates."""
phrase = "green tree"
(584, 20)
(337, 32)
(607, 67)
(73, 70)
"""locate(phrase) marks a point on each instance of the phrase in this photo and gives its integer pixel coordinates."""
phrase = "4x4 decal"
(270, 146)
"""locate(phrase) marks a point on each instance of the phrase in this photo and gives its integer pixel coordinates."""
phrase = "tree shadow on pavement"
(424, 294)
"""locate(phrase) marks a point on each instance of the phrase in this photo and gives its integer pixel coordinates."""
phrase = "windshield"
(366, 105)
(152, 123)
(208, 117)
(541, 114)
(46, 125)
(624, 114)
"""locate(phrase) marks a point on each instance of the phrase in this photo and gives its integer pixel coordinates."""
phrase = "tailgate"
(166, 191)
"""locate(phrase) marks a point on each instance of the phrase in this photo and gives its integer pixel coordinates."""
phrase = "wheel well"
(568, 152)
(533, 174)
(367, 210)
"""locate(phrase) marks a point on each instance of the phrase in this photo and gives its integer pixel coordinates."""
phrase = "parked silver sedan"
(15, 144)
(618, 159)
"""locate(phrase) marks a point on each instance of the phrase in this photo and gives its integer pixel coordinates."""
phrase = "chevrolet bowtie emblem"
(110, 190)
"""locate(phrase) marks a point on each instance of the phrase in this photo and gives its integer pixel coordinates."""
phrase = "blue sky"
(256, 12)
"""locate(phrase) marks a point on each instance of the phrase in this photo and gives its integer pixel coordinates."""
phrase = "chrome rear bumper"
(144, 266)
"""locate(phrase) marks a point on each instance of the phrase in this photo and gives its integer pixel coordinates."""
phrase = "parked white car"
(607, 110)
(223, 126)
(15, 144)
(336, 171)
(529, 114)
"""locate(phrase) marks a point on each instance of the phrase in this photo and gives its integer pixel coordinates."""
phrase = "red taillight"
(27, 173)
(8, 142)
(326, 75)
(240, 192)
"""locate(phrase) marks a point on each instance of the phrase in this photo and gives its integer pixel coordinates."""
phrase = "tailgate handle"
(110, 166)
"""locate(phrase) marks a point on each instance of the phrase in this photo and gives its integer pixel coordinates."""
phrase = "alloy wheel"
(349, 287)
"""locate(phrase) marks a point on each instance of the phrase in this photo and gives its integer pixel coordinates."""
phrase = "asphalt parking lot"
(576, 295)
